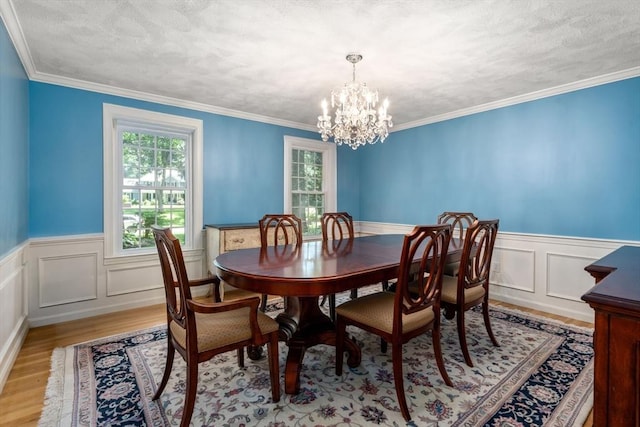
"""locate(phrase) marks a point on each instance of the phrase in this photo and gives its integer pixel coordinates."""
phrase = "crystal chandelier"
(356, 119)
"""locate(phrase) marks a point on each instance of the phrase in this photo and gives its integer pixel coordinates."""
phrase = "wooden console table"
(616, 302)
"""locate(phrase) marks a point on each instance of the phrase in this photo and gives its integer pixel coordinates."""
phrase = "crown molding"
(544, 93)
(165, 100)
(144, 96)
(9, 17)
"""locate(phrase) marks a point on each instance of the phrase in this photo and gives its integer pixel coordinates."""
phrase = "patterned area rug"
(542, 374)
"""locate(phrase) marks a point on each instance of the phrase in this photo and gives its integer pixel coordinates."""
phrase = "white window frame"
(329, 169)
(111, 115)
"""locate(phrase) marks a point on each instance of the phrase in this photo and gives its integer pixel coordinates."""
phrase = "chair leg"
(383, 343)
(171, 352)
(354, 293)
(396, 358)
(340, 333)
(263, 303)
(274, 367)
(462, 337)
(332, 307)
(240, 352)
(437, 349)
(487, 323)
(190, 397)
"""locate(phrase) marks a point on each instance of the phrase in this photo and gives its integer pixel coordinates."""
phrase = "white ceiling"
(276, 60)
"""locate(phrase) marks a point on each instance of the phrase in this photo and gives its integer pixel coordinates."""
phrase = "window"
(152, 176)
(310, 181)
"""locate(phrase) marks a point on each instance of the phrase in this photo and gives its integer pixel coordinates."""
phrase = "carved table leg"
(302, 326)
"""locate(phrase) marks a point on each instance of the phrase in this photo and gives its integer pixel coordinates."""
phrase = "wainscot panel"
(69, 278)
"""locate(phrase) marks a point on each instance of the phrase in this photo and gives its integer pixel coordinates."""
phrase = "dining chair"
(471, 286)
(459, 221)
(279, 230)
(336, 228)
(200, 330)
(402, 315)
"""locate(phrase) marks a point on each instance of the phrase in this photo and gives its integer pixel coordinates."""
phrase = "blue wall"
(243, 163)
(566, 165)
(14, 142)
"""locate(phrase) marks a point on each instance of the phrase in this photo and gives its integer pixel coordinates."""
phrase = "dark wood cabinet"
(616, 302)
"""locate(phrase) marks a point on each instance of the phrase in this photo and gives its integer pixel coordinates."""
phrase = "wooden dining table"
(305, 272)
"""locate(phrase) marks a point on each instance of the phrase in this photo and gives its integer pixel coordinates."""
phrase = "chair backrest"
(280, 229)
(336, 226)
(422, 261)
(459, 221)
(174, 274)
(475, 264)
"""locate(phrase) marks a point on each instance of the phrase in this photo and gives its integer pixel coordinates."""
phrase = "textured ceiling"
(279, 58)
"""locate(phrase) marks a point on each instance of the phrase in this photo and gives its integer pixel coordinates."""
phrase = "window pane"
(164, 143)
(307, 197)
(178, 145)
(147, 141)
(159, 163)
(130, 165)
(130, 138)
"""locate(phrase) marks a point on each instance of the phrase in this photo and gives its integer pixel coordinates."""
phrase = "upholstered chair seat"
(377, 311)
(450, 291)
(223, 329)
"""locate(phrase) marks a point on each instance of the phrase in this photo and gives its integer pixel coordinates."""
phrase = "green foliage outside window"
(154, 186)
(307, 198)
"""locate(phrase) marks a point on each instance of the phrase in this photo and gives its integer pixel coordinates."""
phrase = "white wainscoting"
(69, 278)
(540, 272)
(14, 324)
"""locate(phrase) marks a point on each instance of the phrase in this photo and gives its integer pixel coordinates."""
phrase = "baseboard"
(546, 307)
(10, 351)
(96, 311)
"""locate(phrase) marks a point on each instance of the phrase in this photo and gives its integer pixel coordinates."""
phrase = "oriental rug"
(541, 375)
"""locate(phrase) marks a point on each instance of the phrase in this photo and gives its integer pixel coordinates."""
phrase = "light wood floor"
(21, 400)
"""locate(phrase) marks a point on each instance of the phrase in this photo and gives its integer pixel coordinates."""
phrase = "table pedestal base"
(303, 325)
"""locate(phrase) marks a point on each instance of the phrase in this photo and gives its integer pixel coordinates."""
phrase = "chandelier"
(356, 120)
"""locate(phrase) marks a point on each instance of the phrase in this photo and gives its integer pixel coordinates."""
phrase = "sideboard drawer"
(241, 239)
(230, 237)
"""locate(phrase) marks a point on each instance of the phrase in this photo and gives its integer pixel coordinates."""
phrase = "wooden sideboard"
(616, 302)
